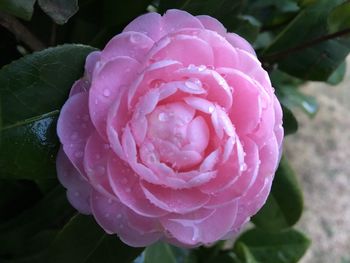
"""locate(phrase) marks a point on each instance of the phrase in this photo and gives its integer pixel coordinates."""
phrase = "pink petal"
(174, 20)
(247, 109)
(107, 84)
(200, 104)
(74, 127)
(243, 182)
(176, 48)
(160, 71)
(178, 201)
(97, 152)
(125, 184)
(279, 132)
(81, 85)
(239, 42)
(190, 230)
(129, 145)
(213, 24)
(129, 44)
(78, 189)
(114, 218)
(197, 135)
(148, 24)
(216, 86)
(90, 63)
(210, 161)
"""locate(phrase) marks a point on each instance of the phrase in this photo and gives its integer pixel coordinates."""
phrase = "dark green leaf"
(339, 18)
(245, 26)
(33, 89)
(20, 8)
(122, 12)
(59, 10)
(290, 96)
(48, 213)
(282, 247)
(83, 240)
(290, 123)
(295, 55)
(284, 205)
(338, 75)
(244, 253)
(159, 252)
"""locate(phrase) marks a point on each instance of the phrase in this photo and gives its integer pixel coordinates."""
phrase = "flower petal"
(174, 200)
(74, 128)
(174, 20)
(212, 24)
(239, 42)
(107, 84)
(78, 189)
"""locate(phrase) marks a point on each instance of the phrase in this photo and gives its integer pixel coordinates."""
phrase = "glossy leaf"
(159, 252)
(291, 96)
(282, 247)
(33, 89)
(59, 10)
(284, 205)
(338, 75)
(295, 55)
(20, 8)
(339, 18)
(82, 240)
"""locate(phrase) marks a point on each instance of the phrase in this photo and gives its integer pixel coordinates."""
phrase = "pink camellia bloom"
(173, 133)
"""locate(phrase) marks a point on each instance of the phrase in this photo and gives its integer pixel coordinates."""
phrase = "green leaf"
(159, 252)
(282, 247)
(59, 10)
(82, 240)
(339, 18)
(290, 123)
(293, 52)
(122, 12)
(244, 253)
(245, 26)
(290, 96)
(284, 205)
(20, 8)
(32, 90)
(48, 213)
(337, 75)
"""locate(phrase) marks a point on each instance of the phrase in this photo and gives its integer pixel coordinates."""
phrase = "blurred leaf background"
(42, 41)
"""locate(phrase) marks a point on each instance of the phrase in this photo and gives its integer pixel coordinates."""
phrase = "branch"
(21, 32)
(285, 53)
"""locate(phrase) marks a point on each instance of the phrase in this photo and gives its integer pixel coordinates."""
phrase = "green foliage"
(296, 40)
(284, 205)
(31, 97)
(83, 241)
(265, 247)
(20, 8)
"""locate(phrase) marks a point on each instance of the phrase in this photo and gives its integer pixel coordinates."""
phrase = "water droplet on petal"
(119, 216)
(162, 116)
(76, 193)
(110, 201)
(128, 190)
(121, 226)
(243, 167)
(211, 109)
(106, 93)
(107, 215)
(202, 68)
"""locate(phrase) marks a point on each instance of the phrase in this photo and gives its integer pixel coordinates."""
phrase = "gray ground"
(320, 154)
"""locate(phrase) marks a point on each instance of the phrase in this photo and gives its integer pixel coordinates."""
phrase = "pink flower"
(174, 133)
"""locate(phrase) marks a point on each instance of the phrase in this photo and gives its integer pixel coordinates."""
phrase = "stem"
(21, 32)
(285, 53)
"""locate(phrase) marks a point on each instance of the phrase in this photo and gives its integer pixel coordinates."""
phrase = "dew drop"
(106, 93)
(107, 215)
(135, 38)
(211, 109)
(162, 116)
(243, 167)
(76, 193)
(110, 201)
(121, 226)
(128, 190)
(202, 68)
(119, 216)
